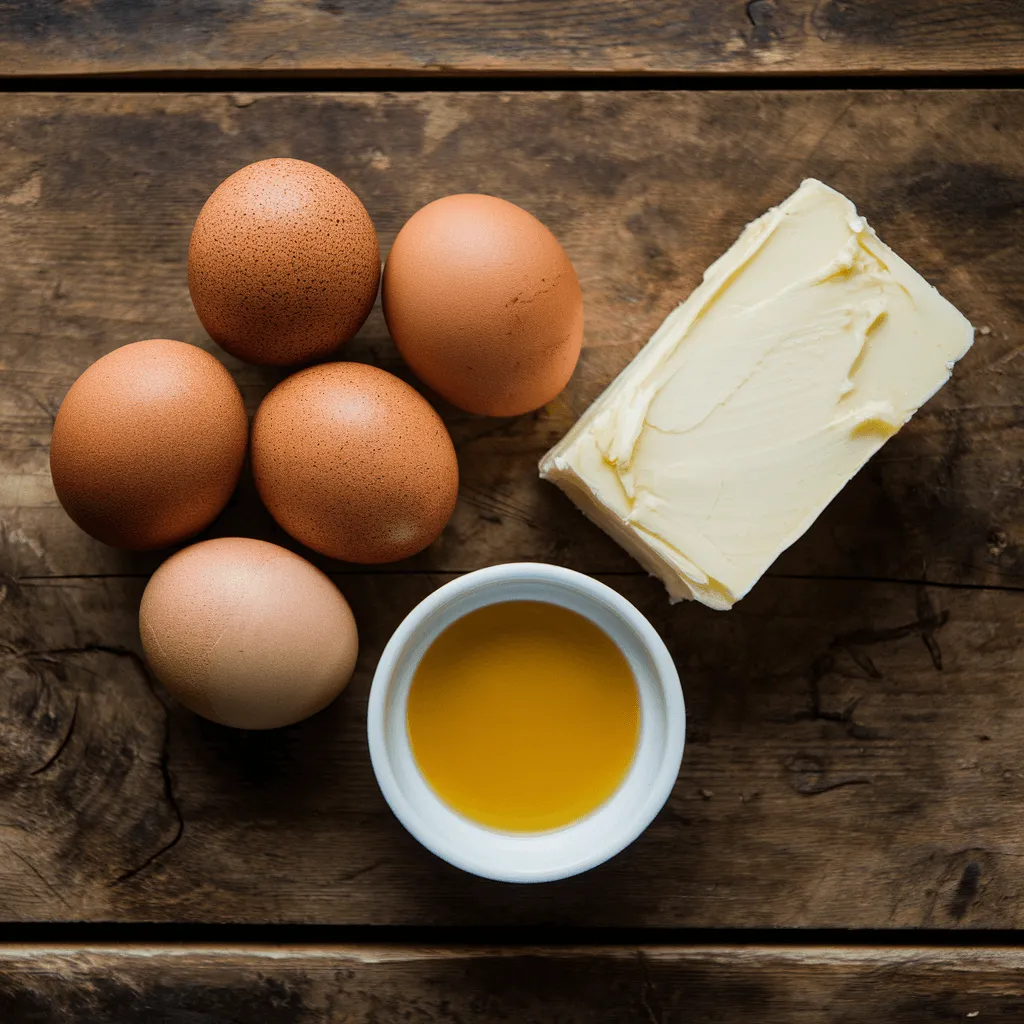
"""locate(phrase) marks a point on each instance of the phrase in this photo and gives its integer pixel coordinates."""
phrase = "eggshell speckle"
(354, 463)
(283, 265)
(484, 305)
(148, 444)
(247, 634)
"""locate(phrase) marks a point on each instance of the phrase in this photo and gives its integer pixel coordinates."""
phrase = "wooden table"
(844, 842)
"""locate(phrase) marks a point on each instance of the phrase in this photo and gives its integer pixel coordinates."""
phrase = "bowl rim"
(665, 676)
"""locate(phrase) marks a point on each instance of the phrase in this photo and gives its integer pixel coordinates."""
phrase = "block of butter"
(805, 347)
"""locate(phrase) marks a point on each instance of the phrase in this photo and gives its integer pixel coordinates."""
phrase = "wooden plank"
(853, 755)
(853, 760)
(98, 194)
(522, 36)
(742, 985)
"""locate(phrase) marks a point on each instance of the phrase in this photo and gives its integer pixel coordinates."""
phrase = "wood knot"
(762, 14)
(997, 542)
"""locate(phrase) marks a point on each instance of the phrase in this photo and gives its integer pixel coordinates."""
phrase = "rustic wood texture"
(853, 755)
(853, 760)
(98, 195)
(521, 36)
(741, 985)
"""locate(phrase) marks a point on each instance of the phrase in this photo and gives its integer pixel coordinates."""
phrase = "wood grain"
(742, 985)
(98, 195)
(853, 754)
(518, 37)
(853, 760)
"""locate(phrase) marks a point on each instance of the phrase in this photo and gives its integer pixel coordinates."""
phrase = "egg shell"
(354, 463)
(247, 633)
(148, 444)
(484, 305)
(283, 263)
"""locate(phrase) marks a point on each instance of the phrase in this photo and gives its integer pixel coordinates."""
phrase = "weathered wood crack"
(928, 622)
(165, 772)
(164, 762)
(62, 745)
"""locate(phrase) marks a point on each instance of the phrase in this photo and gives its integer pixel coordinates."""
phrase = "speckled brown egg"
(354, 463)
(484, 305)
(283, 265)
(148, 444)
(247, 634)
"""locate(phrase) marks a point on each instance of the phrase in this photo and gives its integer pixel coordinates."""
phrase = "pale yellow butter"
(806, 346)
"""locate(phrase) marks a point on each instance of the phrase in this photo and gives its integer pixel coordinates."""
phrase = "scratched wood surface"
(742, 985)
(853, 754)
(510, 36)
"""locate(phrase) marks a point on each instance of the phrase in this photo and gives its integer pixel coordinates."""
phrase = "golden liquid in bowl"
(523, 716)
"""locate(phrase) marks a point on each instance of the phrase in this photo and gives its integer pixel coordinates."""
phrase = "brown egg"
(484, 305)
(148, 444)
(284, 263)
(354, 463)
(247, 634)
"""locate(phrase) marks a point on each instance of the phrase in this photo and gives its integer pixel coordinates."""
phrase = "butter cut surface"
(806, 346)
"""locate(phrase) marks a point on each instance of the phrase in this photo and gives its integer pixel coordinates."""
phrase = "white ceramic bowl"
(529, 856)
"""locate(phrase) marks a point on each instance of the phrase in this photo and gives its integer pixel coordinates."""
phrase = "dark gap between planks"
(428, 81)
(135, 933)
